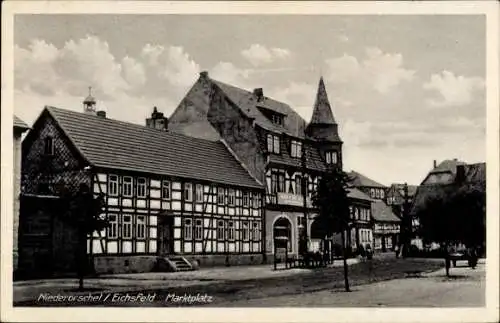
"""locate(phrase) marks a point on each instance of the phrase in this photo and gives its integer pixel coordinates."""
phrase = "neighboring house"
(270, 139)
(385, 222)
(446, 174)
(396, 197)
(19, 128)
(386, 226)
(167, 194)
(368, 186)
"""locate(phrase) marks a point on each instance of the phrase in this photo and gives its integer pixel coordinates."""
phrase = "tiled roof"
(383, 213)
(412, 189)
(248, 104)
(360, 180)
(121, 145)
(449, 165)
(322, 112)
(357, 194)
(18, 123)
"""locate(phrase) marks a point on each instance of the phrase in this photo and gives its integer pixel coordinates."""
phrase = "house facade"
(166, 195)
(385, 224)
(274, 143)
(18, 129)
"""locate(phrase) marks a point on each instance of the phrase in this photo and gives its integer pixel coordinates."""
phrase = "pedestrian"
(396, 250)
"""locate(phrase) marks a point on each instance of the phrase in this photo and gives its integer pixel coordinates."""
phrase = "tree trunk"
(344, 253)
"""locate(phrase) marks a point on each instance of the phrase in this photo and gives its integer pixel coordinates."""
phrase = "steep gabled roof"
(120, 145)
(18, 123)
(357, 194)
(412, 189)
(249, 105)
(383, 213)
(322, 112)
(360, 180)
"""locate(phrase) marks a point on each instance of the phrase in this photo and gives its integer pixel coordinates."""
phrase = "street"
(380, 282)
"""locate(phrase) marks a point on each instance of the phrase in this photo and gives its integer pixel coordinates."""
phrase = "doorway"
(165, 234)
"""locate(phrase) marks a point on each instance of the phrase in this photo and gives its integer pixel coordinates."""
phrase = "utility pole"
(406, 223)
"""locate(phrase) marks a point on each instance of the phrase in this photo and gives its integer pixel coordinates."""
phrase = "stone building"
(274, 144)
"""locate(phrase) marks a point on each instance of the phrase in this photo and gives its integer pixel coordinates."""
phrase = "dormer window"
(277, 119)
(296, 149)
(273, 144)
(331, 157)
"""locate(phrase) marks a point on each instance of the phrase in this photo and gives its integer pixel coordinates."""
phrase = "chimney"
(460, 174)
(204, 74)
(101, 114)
(435, 163)
(259, 93)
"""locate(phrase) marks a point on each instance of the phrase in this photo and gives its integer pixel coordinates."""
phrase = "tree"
(454, 214)
(332, 203)
(85, 213)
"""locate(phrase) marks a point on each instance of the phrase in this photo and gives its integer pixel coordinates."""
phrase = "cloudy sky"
(405, 90)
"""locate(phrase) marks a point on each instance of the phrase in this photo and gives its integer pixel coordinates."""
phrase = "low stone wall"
(121, 264)
(124, 264)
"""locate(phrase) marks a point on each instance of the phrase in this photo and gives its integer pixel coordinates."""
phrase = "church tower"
(324, 129)
(89, 104)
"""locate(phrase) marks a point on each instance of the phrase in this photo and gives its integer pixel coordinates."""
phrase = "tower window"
(331, 157)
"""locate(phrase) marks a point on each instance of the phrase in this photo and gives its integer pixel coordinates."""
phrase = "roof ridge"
(142, 127)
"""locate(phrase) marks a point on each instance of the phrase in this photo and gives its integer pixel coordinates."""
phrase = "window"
(127, 227)
(220, 230)
(246, 231)
(277, 119)
(255, 231)
(188, 192)
(165, 190)
(382, 194)
(281, 182)
(298, 184)
(113, 185)
(356, 213)
(220, 196)
(245, 198)
(231, 197)
(141, 187)
(296, 150)
(372, 193)
(199, 193)
(127, 186)
(113, 226)
(49, 146)
(198, 230)
(141, 227)
(273, 144)
(331, 157)
(274, 183)
(188, 229)
(230, 230)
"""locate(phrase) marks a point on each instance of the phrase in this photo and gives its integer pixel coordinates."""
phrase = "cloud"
(343, 38)
(133, 71)
(453, 90)
(258, 54)
(229, 73)
(172, 64)
(382, 71)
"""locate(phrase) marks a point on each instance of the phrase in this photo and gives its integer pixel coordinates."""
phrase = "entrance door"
(165, 235)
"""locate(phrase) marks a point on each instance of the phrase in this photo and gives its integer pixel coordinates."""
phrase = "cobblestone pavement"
(244, 287)
(465, 288)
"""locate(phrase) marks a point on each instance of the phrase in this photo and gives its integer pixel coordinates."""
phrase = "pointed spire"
(322, 113)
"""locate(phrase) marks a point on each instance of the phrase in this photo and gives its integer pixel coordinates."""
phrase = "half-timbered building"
(276, 145)
(167, 195)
